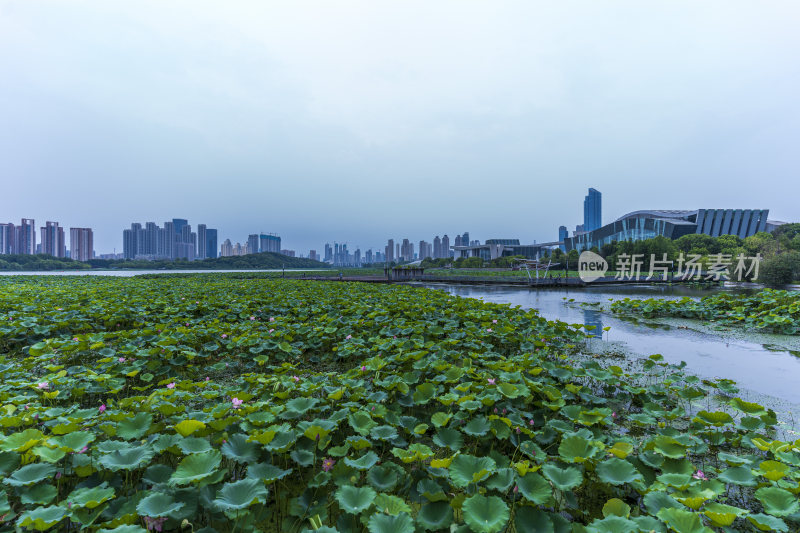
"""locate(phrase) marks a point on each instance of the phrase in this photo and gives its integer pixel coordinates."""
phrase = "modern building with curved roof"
(647, 224)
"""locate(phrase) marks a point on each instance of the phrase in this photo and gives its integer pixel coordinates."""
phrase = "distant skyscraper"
(168, 240)
(53, 240)
(226, 250)
(202, 243)
(407, 250)
(437, 247)
(252, 243)
(397, 256)
(8, 238)
(211, 244)
(562, 234)
(269, 243)
(465, 239)
(328, 253)
(445, 246)
(592, 210)
(26, 237)
(457, 241)
(81, 244)
(390, 251)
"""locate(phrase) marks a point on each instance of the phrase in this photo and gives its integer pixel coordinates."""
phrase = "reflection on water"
(772, 371)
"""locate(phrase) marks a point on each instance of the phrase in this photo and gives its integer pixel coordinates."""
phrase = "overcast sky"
(361, 121)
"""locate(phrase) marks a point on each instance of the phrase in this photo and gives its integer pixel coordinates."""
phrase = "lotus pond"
(775, 311)
(215, 404)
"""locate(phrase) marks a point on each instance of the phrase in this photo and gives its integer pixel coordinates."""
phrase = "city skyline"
(345, 127)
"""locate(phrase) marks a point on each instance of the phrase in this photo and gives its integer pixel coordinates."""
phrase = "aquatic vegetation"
(223, 404)
(775, 311)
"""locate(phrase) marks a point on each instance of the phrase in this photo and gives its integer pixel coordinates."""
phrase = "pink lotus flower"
(327, 464)
(516, 489)
(531, 422)
(121, 359)
(271, 330)
(700, 475)
(171, 385)
(187, 324)
(43, 385)
(348, 337)
(296, 379)
(236, 403)
(272, 319)
(75, 338)
(102, 408)
(252, 318)
(58, 475)
(224, 335)
(494, 321)
(489, 330)
(614, 414)
(207, 378)
(491, 382)
(363, 368)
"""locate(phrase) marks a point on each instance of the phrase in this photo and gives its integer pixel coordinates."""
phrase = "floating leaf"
(354, 500)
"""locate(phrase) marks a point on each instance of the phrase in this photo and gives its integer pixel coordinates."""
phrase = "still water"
(131, 273)
(754, 366)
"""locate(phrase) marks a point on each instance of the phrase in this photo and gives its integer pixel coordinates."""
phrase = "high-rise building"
(252, 243)
(397, 256)
(312, 254)
(211, 244)
(8, 238)
(407, 250)
(53, 240)
(465, 239)
(226, 250)
(445, 246)
(328, 253)
(168, 240)
(437, 247)
(26, 237)
(458, 240)
(129, 238)
(81, 244)
(202, 243)
(151, 245)
(288, 253)
(389, 251)
(592, 210)
(269, 243)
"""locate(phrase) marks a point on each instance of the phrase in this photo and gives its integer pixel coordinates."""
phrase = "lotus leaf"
(436, 515)
(236, 448)
(382, 477)
(42, 518)
(616, 507)
(682, 521)
(240, 495)
(777, 501)
(392, 505)
(382, 523)
(485, 514)
(563, 478)
(134, 427)
(157, 504)
(354, 500)
(129, 458)
(196, 467)
(187, 427)
(30, 474)
(613, 524)
(365, 462)
(468, 469)
(765, 522)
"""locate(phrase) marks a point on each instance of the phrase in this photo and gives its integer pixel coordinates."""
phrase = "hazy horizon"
(359, 121)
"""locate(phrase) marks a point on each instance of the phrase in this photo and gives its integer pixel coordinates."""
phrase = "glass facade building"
(641, 225)
(592, 210)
